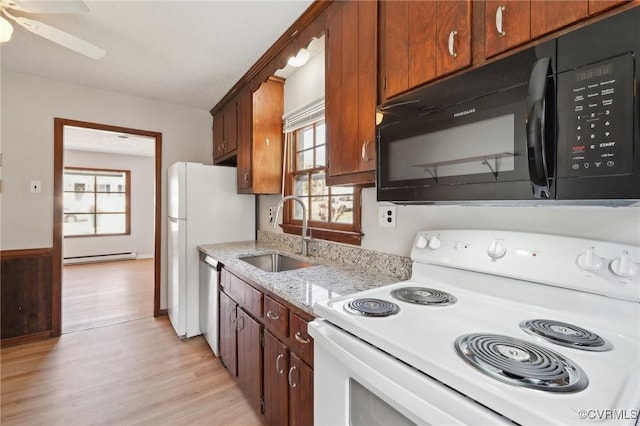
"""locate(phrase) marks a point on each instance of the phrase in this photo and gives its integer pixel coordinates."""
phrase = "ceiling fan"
(43, 30)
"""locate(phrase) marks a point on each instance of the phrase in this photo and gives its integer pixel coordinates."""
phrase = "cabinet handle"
(245, 176)
(234, 319)
(364, 155)
(290, 377)
(272, 316)
(239, 325)
(278, 369)
(499, 11)
(301, 340)
(452, 47)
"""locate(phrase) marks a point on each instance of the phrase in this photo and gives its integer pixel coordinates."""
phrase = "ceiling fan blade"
(47, 6)
(65, 39)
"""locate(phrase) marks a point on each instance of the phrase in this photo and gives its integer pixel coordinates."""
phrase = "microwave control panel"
(595, 113)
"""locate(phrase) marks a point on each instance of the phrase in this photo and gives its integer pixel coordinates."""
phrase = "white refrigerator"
(203, 208)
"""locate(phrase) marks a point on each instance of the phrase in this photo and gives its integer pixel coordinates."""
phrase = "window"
(96, 202)
(333, 212)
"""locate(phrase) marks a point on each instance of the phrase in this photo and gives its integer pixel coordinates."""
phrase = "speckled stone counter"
(301, 287)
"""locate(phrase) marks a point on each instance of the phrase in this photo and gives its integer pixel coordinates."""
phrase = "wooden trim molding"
(58, 171)
(309, 25)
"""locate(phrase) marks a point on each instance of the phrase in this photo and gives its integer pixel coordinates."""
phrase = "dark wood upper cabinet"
(598, 6)
(422, 40)
(350, 86)
(547, 16)
(225, 133)
(507, 25)
(260, 138)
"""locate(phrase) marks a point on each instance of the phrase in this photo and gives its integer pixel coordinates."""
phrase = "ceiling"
(182, 52)
(103, 141)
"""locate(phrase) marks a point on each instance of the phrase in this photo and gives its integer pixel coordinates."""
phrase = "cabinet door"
(218, 135)
(422, 42)
(227, 322)
(597, 6)
(351, 91)
(249, 358)
(267, 146)
(276, 390)
(300, 379)
(394, 39)
(507, 25)
(230, 127)
(245, 124)
(547, 16)
(453, 35)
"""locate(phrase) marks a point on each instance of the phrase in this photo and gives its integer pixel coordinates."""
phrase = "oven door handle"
(541, 128)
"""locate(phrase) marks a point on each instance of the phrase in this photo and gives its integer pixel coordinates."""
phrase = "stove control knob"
(496, 249)
(589, 261)
(434, 243)
(623, 266)
(421, 242)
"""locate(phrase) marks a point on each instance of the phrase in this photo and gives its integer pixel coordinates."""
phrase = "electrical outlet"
(36, 186)
(271, 214)
(387, 216)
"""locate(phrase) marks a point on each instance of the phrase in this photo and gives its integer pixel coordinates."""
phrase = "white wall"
(28, 107)
(142, 176)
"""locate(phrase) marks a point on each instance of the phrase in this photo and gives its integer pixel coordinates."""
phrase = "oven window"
(455, 151)
(367, 409)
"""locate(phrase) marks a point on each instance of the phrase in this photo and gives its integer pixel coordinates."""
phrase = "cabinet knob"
(278, 369)
(301, 340)
(499, 29)
(364, 155)
(452, 47)
(290, 377)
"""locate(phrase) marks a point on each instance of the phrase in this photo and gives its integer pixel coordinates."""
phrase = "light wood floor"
(133, 372)
(98, 294)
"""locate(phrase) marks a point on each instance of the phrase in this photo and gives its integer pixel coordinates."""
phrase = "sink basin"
(275, 262)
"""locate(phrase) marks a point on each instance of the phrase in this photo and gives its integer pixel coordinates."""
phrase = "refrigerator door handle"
(173, 219)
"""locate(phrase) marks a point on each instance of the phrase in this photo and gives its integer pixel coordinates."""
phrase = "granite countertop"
(301, 287)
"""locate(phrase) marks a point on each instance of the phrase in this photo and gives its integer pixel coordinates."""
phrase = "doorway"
(85, 221)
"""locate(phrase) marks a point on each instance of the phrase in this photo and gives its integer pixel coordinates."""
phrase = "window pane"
(78, 224)
(78, 183)
(319, 210)
(297, 210)
(319, 184)
(115, 183)
(111, 223)
(111, 202)
(321, 156)
(320, 133)
(304, 160)
(301, 185)
(342, 209)
(305, 138)
(342, 190)
(78, 202)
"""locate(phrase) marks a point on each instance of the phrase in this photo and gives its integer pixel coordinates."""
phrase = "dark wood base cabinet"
(270, 355)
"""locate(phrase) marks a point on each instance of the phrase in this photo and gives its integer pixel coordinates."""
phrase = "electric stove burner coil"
(521, 363)
(372, 307)
(565, 334)
(424, 296)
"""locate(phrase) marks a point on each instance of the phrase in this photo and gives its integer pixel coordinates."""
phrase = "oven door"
(357, 384)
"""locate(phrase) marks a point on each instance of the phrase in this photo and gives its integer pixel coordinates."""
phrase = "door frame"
(58, 209)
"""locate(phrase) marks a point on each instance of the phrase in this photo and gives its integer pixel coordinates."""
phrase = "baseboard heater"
(100, 258)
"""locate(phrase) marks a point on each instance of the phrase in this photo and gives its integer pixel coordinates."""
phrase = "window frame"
(331, 231)
(95, 171)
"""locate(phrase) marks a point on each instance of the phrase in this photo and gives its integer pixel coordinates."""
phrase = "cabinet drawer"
(236, 288)
(253, 300)
(276, 317)
(301, 342)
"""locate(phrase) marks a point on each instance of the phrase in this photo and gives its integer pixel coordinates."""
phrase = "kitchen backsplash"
(384, 263)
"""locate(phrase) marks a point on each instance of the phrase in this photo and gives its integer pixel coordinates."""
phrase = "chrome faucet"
(305, 238)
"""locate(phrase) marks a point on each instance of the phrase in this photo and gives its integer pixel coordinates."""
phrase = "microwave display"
(588, 74)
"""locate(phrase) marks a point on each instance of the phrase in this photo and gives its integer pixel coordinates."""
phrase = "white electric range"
(493, 327)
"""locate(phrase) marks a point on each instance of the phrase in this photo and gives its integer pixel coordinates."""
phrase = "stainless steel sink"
(275, 262)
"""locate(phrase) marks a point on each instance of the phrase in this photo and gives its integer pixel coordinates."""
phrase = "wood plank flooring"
(132, 373)
(98, 294)
(115, 364)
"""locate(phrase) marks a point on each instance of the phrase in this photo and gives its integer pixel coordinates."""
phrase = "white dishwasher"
(209, 273)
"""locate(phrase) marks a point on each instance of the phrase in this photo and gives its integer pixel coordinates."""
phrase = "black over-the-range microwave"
(558, 121)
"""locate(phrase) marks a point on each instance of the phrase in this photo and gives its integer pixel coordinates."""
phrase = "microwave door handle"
(540, 123)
